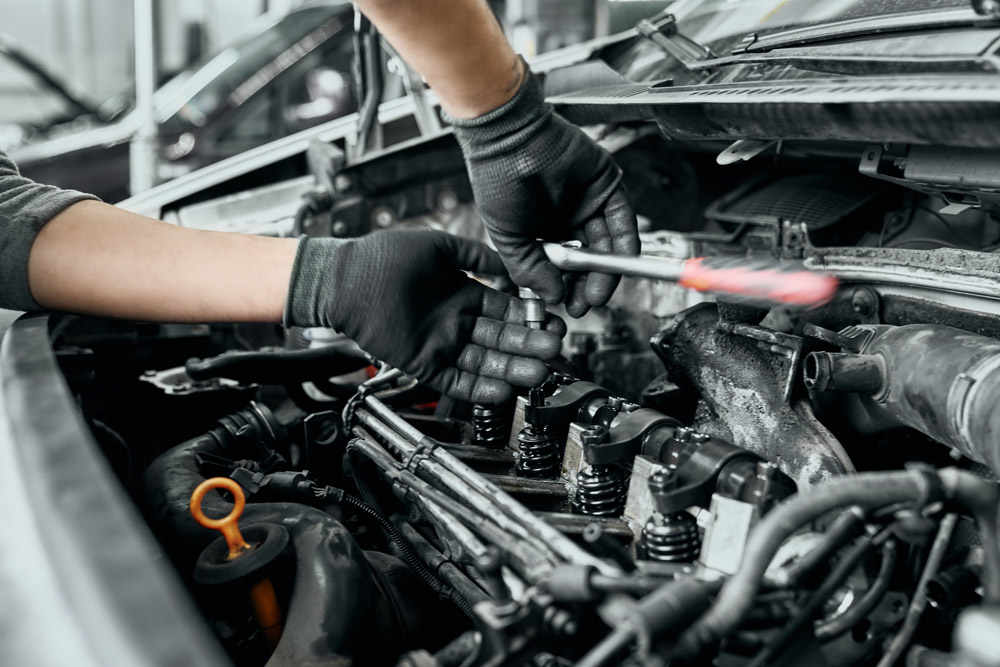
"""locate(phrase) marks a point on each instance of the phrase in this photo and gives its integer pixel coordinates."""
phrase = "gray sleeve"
(25, 207)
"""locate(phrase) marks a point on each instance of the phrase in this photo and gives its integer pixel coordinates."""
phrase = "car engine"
(699, 481)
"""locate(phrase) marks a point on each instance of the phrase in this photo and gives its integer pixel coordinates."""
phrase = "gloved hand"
(403, 297)
(534, 175)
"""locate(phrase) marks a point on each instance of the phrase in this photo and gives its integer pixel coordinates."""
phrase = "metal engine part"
(942, 381)
(746, 375)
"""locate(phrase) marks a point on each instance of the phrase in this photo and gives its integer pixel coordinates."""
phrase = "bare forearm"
(97, 259)
(457, 45)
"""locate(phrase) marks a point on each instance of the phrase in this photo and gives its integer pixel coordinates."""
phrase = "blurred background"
(228, 75)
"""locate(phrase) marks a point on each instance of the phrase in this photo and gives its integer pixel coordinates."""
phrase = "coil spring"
(490, 427)
(600, 491)
(671, 538)
(539, 456)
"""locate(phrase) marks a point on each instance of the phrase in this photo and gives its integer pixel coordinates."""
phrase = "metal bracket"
(661, 29)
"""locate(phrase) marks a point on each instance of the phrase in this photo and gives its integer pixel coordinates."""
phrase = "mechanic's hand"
(534, 175)
(403, 297)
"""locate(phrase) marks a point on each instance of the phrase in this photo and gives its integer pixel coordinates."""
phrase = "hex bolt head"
(662, 481)
(594, 435)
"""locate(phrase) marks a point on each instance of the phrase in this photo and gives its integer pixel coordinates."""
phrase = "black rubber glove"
(404, 298)
(534, 175)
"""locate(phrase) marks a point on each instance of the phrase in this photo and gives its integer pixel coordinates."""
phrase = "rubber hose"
(275, 366)
(840, 624)
(980, 497)
(849, 562)
(867, 490)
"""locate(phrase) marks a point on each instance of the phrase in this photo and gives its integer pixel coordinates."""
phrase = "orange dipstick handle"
(227, 525)
(262, 596)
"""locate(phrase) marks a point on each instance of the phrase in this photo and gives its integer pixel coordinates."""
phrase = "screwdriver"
(762, 282)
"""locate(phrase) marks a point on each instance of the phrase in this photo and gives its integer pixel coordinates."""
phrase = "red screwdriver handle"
(759, 281)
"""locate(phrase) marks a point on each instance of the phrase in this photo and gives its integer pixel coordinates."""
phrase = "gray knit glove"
(404, 297)
(534, 175)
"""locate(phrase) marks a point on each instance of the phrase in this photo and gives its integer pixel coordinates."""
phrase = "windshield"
(191, 98)
(723, 24)
(714, 20)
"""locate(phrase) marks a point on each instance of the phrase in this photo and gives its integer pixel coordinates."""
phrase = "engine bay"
(698, 482)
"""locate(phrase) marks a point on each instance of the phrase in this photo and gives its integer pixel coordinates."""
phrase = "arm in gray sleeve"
(25, 207)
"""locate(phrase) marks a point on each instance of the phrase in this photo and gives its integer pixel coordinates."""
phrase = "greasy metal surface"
(519, 486)
(944, 269)
(744, 383)
(574, 524)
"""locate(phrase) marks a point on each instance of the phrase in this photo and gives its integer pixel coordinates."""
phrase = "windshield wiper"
(868, 26)
(661, 29)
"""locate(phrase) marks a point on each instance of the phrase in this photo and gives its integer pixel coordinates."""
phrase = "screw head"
(339, 228)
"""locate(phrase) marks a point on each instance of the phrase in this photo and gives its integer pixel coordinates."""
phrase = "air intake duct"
(942, 381)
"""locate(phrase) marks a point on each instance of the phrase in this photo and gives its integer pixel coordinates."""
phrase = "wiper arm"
(868, 26)
(661, 29)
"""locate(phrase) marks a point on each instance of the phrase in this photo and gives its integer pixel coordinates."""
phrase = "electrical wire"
(850, 561)
(407, 552)
(841, 623)
(919, 601)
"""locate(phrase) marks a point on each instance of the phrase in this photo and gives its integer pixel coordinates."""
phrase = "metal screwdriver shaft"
(752, 281)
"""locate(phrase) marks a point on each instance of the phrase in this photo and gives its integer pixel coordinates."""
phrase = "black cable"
(364, 490)
(867, 490)
(841, 623)
(406, 551)
(844, 528)
(803, 615)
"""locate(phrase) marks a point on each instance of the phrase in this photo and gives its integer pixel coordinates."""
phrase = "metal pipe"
(548, 535)
(576, 259)
(465, 537)
(446, 477)
(534, 308)
(142, 150)
(826, 371)
(446, 570)
(528, 560)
